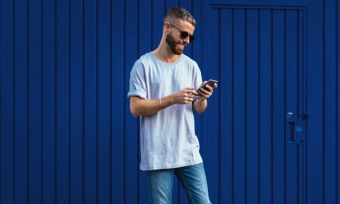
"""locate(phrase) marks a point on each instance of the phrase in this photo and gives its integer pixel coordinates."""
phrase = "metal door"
(259, 49)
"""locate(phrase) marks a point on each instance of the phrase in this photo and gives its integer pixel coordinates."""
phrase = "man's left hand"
(206, 91)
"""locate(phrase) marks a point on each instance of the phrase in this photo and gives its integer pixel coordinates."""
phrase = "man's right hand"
(184, 96)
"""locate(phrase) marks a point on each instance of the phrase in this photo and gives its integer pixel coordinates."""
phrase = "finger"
(191, 95)
(208, 87)
(194, 92)
(205, 91)
(205, 96)
(188, 89)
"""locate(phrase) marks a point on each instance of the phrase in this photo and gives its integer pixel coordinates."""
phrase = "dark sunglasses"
(184, 34)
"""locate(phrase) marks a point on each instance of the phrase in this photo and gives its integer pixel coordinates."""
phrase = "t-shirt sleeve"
(137, 83)
(197, 76)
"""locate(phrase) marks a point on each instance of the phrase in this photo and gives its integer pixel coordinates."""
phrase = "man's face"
(175, 39)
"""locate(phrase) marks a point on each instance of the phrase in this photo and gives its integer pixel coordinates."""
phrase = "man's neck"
(165, 55)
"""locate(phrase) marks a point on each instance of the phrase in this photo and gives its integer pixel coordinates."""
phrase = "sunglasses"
(184, 34)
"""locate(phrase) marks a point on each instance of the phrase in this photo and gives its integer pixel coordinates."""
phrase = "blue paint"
(66, 134)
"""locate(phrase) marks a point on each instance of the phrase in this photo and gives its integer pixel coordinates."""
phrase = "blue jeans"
(192, 178)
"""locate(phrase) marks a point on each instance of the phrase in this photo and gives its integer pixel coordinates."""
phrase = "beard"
(170, 40)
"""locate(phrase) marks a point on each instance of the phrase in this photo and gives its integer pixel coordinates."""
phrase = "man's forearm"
(149, 107)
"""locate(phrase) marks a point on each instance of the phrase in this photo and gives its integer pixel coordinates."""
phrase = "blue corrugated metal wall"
(66, 134)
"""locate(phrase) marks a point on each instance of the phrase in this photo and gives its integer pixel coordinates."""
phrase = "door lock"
(295, 128)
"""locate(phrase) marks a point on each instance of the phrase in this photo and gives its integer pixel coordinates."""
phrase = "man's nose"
(187, 40)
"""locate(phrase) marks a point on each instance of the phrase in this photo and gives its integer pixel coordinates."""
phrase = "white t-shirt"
(167, 138)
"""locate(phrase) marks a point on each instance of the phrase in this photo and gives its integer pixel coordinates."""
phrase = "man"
(163, 93)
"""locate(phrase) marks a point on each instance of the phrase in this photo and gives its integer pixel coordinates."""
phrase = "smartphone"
(210, 82)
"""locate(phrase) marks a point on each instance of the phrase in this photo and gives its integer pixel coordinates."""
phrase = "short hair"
(180, 13)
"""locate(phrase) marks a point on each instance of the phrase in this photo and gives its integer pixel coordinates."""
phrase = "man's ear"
(166, 26)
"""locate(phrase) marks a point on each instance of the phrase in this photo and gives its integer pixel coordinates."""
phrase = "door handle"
(294, 128)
